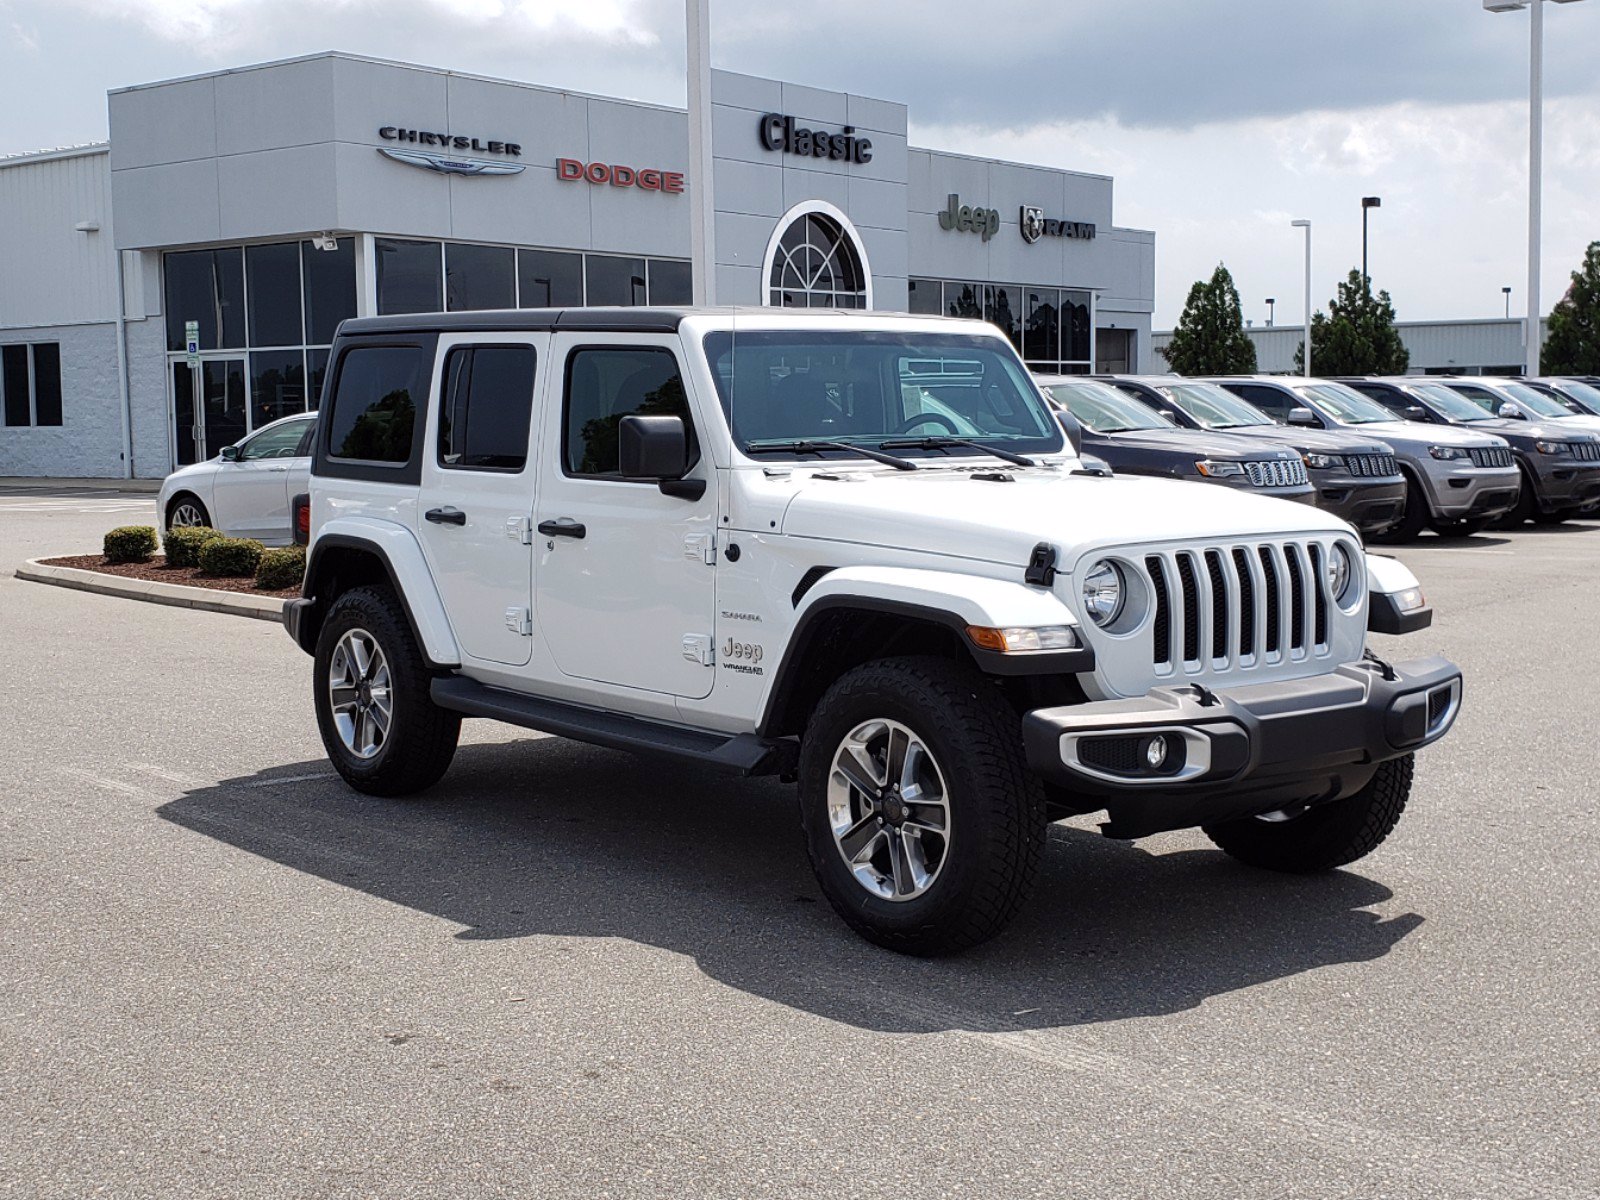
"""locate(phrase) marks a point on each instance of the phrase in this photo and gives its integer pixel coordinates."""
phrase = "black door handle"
(446, 516)
(565, 527)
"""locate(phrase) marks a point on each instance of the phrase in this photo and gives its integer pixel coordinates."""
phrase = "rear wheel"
(186, 512)
(1325, 836)
(381, 728)
(923, 823)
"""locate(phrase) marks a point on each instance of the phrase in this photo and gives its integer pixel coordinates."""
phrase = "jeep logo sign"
(1035, 225)
(985, 221)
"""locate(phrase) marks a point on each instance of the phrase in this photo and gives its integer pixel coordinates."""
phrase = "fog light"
(1155, 751)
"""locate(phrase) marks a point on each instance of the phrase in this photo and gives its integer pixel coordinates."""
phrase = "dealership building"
(169, 291)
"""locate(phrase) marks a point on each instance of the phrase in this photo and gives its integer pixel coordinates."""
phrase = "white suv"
(856, 551)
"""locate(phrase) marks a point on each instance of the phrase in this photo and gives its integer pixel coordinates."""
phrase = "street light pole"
(1531, 334)
(1507, 293)
(1306, 355)
(1367, 203)
(1271, 309)
(703, 229)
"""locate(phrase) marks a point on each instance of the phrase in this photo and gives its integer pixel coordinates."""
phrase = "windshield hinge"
(1041, 570)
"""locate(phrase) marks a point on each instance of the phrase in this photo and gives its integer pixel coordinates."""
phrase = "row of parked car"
(1393, 456)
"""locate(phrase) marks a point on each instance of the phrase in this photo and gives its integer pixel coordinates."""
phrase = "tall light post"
(1535, 160)
(1367, 203)
(1306, 355)
(1271, 308)
(703, 230)
(1507, 293)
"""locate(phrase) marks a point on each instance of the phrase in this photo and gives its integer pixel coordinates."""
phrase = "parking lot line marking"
(115, 785)
(184, 781)
(261, 783)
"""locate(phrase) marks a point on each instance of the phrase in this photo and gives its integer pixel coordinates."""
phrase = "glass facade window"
(272, 287)
(47, 383)
(670, 282)
(479, 277)
(1052, 328)
(410, 276)
(277, 385)
(30, 383)
(207, 287)
(613, 280)
(330, 283)
(316, 373)
(816, 266)
(549, 279)
(14, 383)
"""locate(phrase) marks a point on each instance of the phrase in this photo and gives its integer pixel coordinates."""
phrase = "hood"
(1421, 433)
(1322, 441)
(1193, 443)
(951, 513)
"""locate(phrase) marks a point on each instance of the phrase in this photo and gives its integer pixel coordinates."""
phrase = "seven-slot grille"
(1276, 472)
(1586, 451)
(1370, 465)
(1238, 606)
(1490, 456)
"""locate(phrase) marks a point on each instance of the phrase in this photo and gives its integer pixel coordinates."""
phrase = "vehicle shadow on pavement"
(544, 837)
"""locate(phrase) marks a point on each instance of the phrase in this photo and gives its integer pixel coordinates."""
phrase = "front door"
(475, 508)
(208, 408)
(625, 582)
(250, 496)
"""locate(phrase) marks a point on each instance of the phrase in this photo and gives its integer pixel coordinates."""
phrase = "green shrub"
(183, 544)
(130, 544)
(230, 558)
(281, 568)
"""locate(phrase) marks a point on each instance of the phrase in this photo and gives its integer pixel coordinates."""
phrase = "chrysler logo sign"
(1035, 225)
(441, 160)
(450, 166)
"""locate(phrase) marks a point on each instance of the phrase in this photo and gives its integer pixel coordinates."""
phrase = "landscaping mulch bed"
(157, 569)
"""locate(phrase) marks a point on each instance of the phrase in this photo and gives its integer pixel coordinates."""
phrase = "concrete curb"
(153, 591)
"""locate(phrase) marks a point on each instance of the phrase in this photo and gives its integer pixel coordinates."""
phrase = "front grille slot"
(1247, 603)
(1320, 636)
(1191, 608)
(1161, 633)
(1274, 616)
(1221, 602)
(1586, 451)
(1297, 599)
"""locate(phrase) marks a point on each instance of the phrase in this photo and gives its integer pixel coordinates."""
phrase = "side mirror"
(1304, 416)
(230, 454)
(1073, 429)
(1415, 412)
(652, 447)
(1166, 414)
(1509, 412)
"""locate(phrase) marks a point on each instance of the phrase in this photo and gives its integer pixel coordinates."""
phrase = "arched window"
(816, 263)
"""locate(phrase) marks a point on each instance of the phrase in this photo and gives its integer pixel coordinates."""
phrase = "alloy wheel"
(359, 693)
(186, 516)
(889, 810)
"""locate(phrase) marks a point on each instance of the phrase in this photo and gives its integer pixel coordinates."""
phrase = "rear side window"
(605, 384)
(487, 409)
(1269, 400)
(377, 396)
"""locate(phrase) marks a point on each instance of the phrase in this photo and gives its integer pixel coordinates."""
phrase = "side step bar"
(745, 752)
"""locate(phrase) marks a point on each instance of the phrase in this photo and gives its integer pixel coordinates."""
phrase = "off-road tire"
(996, 806)
(422, 736)
(1462, 529)
(1324, 836)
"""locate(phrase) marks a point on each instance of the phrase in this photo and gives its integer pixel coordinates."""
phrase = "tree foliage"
(1573, 347)
(1357, 335)
(1209, 338)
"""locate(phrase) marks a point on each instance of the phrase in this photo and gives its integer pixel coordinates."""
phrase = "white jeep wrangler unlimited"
(858, 551)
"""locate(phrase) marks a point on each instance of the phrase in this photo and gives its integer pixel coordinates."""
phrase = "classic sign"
(778, 131)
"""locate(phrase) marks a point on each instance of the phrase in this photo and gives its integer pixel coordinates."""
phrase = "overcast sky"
(1220, 121)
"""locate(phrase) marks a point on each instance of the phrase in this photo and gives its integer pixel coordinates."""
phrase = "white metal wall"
(50, 272)
(1465, 347)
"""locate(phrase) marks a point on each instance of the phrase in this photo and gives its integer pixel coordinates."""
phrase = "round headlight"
(1103, 593)
(1341, 573)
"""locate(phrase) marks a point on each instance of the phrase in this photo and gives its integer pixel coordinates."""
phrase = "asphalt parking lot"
(567, 972)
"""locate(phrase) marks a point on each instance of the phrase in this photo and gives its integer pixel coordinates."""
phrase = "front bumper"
(1242, 751)
(1462, 492)
(1561, 484)
(1371, 505)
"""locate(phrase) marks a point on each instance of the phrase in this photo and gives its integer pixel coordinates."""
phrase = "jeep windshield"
(1102, 408)
(839, 390)
(1212, 407)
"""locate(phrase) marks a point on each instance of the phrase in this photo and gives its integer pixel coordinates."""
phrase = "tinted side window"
(1482, 397)
(14, 383)
(605, 384)
(488, 405)
(1388, 397)
(376, 395)
(1269, 400)
(280, 442)
(47, 383)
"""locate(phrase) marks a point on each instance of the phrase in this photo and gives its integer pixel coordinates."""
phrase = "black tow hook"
(1388, 672)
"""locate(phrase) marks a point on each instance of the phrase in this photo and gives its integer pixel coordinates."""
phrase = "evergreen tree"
(1573, 347)
(1357, 336)
(1209, 338)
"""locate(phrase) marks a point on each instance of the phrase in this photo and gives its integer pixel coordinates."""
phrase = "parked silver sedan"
(247, 489)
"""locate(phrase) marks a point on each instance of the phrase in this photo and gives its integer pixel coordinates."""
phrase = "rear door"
(625, 590)
(476, 504)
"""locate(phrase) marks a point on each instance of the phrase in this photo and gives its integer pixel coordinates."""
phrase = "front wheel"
(1412, 522)
(187, 512)
(1327, 835)
(383, 732)
(923, 823)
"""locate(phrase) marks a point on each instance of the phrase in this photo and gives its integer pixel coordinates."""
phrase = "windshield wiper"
(946, 443)
(810, 446)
